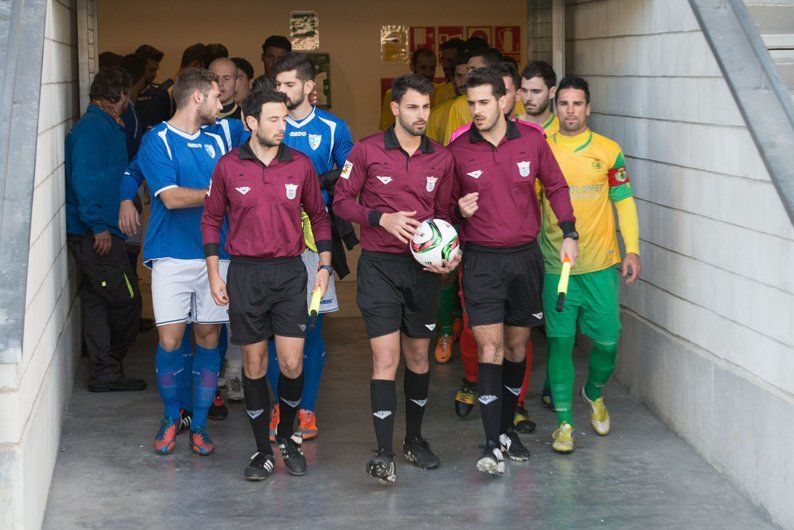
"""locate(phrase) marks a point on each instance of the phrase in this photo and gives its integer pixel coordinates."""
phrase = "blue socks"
(206, 364)
(168, 365)
(313, 364)
(185, 377)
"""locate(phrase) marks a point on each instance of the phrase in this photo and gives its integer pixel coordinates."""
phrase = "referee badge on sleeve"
(523, 168)
(292, 190)
(348, 167)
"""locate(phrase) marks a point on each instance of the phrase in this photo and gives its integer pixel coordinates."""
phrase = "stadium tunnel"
(698, 93)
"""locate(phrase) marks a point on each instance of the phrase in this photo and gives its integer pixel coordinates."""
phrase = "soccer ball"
(433, 241)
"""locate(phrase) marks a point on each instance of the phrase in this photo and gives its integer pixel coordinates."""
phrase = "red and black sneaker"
(218, 410)
(185, 419)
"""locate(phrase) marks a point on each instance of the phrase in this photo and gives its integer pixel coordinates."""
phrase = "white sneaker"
(234, 388)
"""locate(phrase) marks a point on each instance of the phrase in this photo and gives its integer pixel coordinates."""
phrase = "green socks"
(561, 374)
(602, 364)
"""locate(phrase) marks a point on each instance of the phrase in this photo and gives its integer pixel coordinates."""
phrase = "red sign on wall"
(446, 33)
(423, 37)
(507, 39)
(483, 32)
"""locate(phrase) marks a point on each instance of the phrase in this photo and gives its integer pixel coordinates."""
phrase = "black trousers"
(111, 305)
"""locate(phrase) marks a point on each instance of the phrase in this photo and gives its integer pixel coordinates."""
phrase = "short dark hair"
(109, 59)
(300, 62)
(193, 53)
(147, 52)
(462, 58)
(455, 43)
(135, 65)
(508, 69)
(192, 79)
(487, 76)
(475, 43)
(110, 83)
(277, 41)
(491, 56)
(420, 52)
(245, 66)
(252, 105)
(540, 69)
(214, 51)
(578, 83)
(410, 81)
(263, 82)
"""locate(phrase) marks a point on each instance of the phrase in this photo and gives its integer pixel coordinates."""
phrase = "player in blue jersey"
(326, 140)
(177, 158)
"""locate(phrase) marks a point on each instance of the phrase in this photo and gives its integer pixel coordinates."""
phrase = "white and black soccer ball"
(433, 241)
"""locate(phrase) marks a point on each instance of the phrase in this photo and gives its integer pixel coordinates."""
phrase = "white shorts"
(181, 292)
(329, 303)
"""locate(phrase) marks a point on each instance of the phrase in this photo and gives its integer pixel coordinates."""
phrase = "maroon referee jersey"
(508, 213)
(387, 180)
(264, 204)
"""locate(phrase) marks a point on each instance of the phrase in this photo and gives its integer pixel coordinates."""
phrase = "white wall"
(709, 331)
(34, 392)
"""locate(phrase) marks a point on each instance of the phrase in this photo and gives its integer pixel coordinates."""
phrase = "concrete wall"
(709, 330)
(539, 30)
(34, 392)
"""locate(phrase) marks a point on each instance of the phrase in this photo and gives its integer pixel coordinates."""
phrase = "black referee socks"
(512, 379)
(257, 404)
(489, 383)
(383, 394)
(416, 390)
(289, 393)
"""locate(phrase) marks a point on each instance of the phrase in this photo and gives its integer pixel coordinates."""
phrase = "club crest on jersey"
(346, 169)
(292, 190)
(210, 150)
(431, 183)
(523, 168)
(314, 141)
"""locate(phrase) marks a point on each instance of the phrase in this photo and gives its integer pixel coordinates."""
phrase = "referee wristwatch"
(573, 234)
(327, 268)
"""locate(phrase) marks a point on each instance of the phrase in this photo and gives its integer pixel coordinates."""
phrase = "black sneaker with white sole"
(381, 467)
(491, 461)
(511, 445)
(260, 466)
(292, 455)
(417, 451)
(185, 419)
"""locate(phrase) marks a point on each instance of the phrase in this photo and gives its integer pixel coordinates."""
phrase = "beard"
(488, 122)
(267, 142)
(292, 105)
(416, 128)
(540, 110)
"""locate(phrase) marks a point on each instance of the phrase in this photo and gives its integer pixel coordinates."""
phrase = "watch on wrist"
(573, 234)
(327, 268)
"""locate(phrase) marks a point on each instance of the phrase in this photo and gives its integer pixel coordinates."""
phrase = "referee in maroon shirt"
(401, 178)
(496, 165)
(263, 186)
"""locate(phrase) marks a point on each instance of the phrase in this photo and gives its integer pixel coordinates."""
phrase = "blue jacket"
(96, 157)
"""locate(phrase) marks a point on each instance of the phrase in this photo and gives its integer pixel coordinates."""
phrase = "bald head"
(226, 71)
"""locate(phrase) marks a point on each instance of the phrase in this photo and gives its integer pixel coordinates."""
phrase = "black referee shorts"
(503, 285)
(266, 297)
(395, 294)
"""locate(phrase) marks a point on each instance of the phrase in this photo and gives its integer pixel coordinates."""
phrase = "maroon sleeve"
(443, 195)
(555, 186)
(456, 192)
(313, 205)
(350, 183)
(215, 204)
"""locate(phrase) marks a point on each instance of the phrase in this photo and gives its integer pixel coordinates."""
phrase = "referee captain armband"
(618, 176)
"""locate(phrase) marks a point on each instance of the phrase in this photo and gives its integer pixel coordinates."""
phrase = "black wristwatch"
(326, 268)
(573, 234)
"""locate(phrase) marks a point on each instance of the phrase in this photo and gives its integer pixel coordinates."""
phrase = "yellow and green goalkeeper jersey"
(551, 126)
(596, 174)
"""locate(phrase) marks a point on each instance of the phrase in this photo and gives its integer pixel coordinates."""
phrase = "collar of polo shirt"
(246, 153)
(390, 141)
(513, 132)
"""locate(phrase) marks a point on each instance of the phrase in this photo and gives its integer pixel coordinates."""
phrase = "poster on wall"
(394, 44)
(446, 33)
(322, 80)
(507, 39)
(423, 37)
(304, 30)
(483, 32)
